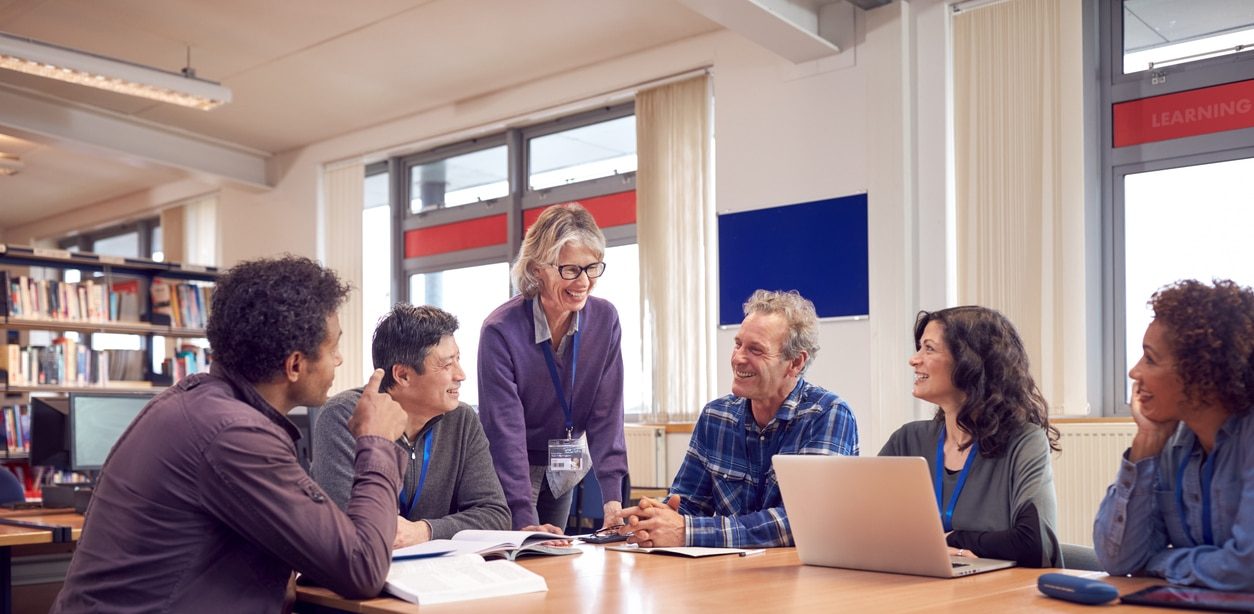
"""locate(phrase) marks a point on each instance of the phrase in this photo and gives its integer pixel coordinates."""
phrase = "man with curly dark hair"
(202, 503)
(1182, 504)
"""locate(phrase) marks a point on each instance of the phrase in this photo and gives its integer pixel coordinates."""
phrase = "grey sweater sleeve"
(478, 501)
(334, 448)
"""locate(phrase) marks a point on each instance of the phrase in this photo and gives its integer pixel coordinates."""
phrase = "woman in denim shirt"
(1182, 505)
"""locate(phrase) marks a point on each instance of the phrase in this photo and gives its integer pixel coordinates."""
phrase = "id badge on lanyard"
(566, 454)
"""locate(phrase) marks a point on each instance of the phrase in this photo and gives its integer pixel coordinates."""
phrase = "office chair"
(11, 489)
(586, 510)
(1075, 556)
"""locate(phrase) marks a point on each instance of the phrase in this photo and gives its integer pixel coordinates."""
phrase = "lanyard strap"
(422, 478)
(1208, 475)
(557, 380)
(947, 515)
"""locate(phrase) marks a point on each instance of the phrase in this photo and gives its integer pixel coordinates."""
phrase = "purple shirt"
(202, 506)
(520, 409)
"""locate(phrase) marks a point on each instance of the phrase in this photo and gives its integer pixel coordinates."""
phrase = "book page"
(511, 538)
(459, 578)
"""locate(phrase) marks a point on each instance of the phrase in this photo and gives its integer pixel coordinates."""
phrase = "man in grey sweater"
(451, 484)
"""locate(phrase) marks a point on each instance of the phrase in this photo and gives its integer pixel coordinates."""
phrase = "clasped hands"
(653, 524)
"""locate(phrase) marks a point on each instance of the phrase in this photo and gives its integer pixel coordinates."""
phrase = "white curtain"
(343, 197)
(1018, 164)
(675, 230)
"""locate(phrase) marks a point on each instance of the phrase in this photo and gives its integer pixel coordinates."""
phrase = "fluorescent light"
(64, 64)
(10, 165)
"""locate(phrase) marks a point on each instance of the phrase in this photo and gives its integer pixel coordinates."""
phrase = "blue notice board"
(817, 248)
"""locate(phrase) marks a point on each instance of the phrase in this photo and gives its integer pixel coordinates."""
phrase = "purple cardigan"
(520, 410)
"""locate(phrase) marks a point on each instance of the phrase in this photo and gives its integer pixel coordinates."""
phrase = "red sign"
(479, 232)
(609, 210)
(1171, 116)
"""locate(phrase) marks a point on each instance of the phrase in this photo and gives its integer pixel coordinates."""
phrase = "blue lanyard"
(1208, 475)
(947, 516)
(557, 380)
(422, 478)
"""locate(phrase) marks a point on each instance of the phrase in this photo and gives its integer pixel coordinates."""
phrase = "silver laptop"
(875, 513)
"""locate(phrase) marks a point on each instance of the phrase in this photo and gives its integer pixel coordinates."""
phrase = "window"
(470, 293)
(139, 239)
(459, 180)
(589, 152)
(1176, 129)
(1158, 34)
(376, 257)
(467, 206)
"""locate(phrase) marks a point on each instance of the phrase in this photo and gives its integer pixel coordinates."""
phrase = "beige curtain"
(343, 196)
(1018, 165)
(675, 229)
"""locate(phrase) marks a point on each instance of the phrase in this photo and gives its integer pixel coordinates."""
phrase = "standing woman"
(1182, 504)
(988, 445)
(551, 371)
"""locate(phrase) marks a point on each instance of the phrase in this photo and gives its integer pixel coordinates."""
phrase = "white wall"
(784, 133)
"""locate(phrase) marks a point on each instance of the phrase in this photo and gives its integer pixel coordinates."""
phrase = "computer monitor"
(97, 421)
(49, 433)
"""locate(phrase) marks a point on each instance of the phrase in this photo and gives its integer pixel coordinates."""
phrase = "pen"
(753, 552)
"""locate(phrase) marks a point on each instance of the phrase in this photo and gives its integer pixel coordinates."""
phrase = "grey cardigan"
(461, 490)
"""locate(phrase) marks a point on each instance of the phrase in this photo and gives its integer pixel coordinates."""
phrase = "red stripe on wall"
(609, 210)
(1171, 116)
(479, 232)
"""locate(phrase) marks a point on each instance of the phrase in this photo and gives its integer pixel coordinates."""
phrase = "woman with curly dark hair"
(988, 445)
(1182, 505)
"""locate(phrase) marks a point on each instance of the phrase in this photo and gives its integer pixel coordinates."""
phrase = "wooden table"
(56, 522)
(607, 581)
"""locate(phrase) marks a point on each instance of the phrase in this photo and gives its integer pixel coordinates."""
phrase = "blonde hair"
(557, 226)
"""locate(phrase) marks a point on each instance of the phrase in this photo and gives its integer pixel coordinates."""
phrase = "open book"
(489, 544)
(689, 551)
(459, 578)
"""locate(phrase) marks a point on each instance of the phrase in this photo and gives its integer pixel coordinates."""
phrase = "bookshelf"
(48, 324)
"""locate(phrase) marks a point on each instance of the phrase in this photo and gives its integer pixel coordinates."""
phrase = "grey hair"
(798, 312)
(557, 226)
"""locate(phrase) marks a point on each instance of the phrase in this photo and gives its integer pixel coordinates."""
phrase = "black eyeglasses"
(605, 535)
(573, 271)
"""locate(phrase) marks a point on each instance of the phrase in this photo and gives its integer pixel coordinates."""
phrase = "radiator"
(1091, 452)
(646, 455)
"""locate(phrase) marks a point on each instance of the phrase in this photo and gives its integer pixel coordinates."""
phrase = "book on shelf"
(694, 552)
(124, 301)
(90, 300)
(182, 305)
(507, 545)
(16, 428)
(66, 362)
(459, 578)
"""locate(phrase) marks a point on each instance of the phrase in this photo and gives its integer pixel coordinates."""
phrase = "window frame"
(513, 205)
(143, 228)
(1116, 163)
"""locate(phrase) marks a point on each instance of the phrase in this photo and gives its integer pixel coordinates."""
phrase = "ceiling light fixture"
(65, 64)
(10, 165)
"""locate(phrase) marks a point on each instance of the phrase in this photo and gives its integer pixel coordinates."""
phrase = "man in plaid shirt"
(726, 494)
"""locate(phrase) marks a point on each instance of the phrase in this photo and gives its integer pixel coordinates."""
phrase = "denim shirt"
(1141, 528)
(728, 492)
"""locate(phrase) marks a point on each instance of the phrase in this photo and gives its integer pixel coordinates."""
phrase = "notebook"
(874, 513)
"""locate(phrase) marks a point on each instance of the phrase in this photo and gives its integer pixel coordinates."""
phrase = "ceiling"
(300, 72)
(1155, 23)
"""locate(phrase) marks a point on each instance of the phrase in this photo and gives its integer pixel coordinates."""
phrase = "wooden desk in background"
(56, 522)
(602, 580)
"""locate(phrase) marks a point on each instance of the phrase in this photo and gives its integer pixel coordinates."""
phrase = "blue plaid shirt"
(728, 492)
